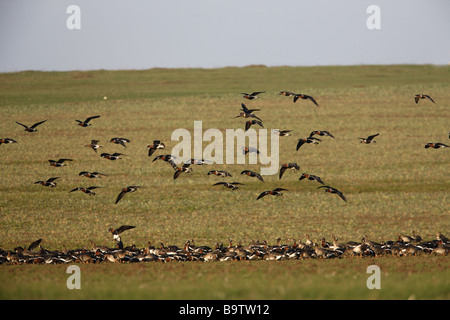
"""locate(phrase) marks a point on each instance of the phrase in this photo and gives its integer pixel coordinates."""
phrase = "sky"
(143, 34)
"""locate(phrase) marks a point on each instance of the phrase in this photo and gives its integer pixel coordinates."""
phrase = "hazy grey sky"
(141, 34)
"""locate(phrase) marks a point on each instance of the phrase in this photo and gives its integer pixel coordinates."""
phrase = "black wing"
(38, 123)
(430, 98)
(313, 100)
(22, 124)
(90, 118)
(120, 196)
(263, 194)
(34, 244)
(372, 136)
(282, 170)
(123, 228)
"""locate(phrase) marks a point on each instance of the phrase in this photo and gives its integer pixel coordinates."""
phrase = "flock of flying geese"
(185, 167)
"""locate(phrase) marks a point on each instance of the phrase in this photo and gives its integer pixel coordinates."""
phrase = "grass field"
(392, 186)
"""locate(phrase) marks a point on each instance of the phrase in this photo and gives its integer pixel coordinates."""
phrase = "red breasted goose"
(285, 166)
(417, 97)
(274, 192)
(251, 96)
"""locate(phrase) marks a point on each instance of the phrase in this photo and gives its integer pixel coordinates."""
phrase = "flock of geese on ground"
(256, 250)
(219, 252)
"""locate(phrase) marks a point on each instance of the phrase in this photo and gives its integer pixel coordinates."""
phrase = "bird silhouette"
(32, 128)
(417, 97)
(126, 190)
(333, 190)
(369, 139)
(251, 96)
(285, 166)
(86, 123)
(274, 192)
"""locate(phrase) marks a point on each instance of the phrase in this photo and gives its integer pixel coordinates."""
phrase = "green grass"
(392, 186)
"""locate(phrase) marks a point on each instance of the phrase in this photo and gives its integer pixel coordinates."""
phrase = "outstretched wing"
(90, 118)
(430, 98)
(22, 124)
(120, 196)
(123, 228)
(282, 170)
(263, 194)
(313, 100)
(34, 244)
(36, 124)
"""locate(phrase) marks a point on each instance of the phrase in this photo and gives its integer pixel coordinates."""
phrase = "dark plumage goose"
(252, 174)
(251, 96)
(88, 190)
(304, 97)
(86, 123)
(249, 123)
(284, 167)
(247, 113)
(230, 185)
(116, 232)
(321, 133)
(156, 145)
(274, 192)
(114, 156)
(333, 190)
(120, 141)
(436, 145)
(94, 145)
(308, 140)
(7, 140)
(59, 162)
(48, 183)
(369, 139)
(417, 97)
(32, 128)
(219, 173)
(91, 175)
(126, 190)
(311, 177)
